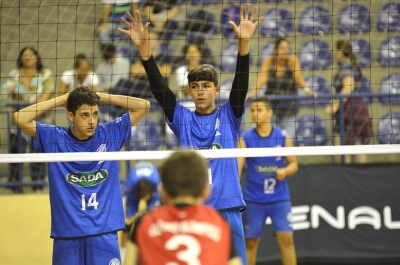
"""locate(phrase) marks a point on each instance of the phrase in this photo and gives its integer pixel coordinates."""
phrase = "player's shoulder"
(248, 133)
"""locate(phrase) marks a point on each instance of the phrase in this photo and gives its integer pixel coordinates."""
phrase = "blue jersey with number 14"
(85, 197)
(262, 185)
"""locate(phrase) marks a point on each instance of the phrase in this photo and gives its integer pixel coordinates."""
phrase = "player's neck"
(264, 129)
(184, 200)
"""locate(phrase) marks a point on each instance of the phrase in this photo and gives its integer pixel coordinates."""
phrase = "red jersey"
(186, 235)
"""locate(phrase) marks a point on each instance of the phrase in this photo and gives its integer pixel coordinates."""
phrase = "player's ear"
(217, 89)
(70, 116)
(206, 192)
(163, 193)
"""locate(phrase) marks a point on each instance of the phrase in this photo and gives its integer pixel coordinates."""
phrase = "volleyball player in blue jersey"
(207, 127)
(267, 193)
(85, 197)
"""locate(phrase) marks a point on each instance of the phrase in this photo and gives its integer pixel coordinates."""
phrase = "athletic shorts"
(256, 213)
(103, 249)
(235, 221)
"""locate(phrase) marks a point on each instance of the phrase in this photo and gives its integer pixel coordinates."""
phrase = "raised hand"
(136, 31)
(245, 29)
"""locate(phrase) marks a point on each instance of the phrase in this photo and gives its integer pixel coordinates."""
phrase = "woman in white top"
(80, 76)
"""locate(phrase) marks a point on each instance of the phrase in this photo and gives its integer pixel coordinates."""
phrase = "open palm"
(136, 31)
(245, 29)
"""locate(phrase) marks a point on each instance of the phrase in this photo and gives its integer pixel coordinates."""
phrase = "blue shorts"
(235, 220)
(103, 249)
(256, 213)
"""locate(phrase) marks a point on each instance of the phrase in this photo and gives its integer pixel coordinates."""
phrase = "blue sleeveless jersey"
(261, 184)
(141, 170)
(85, 197)
(213, 131)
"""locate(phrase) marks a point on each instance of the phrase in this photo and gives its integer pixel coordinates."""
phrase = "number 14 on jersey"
(91, 202)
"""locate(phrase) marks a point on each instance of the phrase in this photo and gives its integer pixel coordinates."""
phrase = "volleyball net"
(60, 31)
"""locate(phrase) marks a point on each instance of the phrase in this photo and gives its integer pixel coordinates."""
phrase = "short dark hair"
(81, 95)
(39, 64)
(143, 188)
(263, 100)
(79, 58)
(184, 173)
(108, 51)
(204, 72)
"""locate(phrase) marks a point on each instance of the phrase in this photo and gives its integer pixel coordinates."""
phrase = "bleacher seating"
(229, 56)
(389, 52)
(315, 54)
(200, 23)
(389, 18)
(266, 51)
(225, 90)
(315, 20)
(146, 136)
(390, 85)
(362, 49)
(277, 22)
(319, 85)
(388, 131)
(229, 14)
(130, 52)
(206, 2)
(311, 131)
(354, 18)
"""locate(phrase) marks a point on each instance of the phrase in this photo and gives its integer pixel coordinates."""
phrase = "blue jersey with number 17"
(262, 184)
(216, 130)
(85, 197)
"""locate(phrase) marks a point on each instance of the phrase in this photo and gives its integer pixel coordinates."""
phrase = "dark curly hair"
(81, 95)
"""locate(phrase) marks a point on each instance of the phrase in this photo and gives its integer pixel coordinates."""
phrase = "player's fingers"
(258, 21)
(146, 26)
(137, 16)
(254, 15)
(241, 13)
(125, 22)
(130, 16)
(246, 12)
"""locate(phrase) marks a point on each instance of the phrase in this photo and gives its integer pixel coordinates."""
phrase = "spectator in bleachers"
(80, 76)
(193, 58)
(163, 61)
(281, 73)
(357, 121)
(112, 69)
(112, 12)
(30, 82)
(161, 14)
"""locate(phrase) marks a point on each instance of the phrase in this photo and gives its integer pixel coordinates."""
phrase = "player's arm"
(138, 33)
(262, 77)
(291, 163)
(298, 77)
(137, 107)
(244, 32)
(348, 88)
(131, 254)
(25, 118)
(241, 160)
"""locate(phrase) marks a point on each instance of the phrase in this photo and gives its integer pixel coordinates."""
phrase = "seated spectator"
(80, 76)
(163, 61)
(112, 69)
(30, 82)
(111, 15)
(161, 14)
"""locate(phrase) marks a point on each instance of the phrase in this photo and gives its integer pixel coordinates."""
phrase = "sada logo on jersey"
(87, 179)
(267, 169)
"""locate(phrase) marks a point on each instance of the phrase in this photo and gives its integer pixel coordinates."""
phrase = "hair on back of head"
(184, 174)
(347, 49)
(108, 51)
(143, 188)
